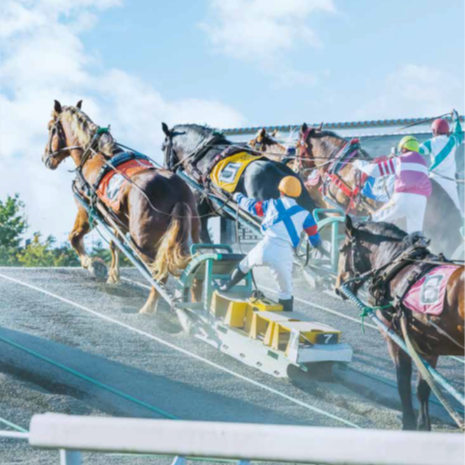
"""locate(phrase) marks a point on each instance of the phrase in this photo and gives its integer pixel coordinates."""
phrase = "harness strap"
(227, 152)
(340, 184)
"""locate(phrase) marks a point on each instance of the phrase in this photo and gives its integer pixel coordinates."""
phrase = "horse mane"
(201, 131)
(386, 230)
(195, 134)
(84, 128)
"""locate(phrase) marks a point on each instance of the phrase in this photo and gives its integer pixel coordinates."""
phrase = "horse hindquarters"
(173, 249)
(261, 180)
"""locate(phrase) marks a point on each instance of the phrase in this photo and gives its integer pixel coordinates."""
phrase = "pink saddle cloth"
(427, 295)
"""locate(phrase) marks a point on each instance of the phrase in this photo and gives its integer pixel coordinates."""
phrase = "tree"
(37, 253)
(12, 226)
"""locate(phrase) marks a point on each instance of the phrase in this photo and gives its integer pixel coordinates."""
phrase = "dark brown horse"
(158, 209)
(371, 246)
(317, 148)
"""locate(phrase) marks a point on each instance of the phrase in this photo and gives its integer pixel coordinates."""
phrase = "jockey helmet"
(409, 143)
(290, 186)
(440, 126)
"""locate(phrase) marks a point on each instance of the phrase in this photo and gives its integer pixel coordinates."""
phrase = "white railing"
(242, 441)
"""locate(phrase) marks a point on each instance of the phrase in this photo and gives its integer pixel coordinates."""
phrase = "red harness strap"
(340, 184)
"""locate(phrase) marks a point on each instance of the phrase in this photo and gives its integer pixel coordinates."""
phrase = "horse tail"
(173, 249)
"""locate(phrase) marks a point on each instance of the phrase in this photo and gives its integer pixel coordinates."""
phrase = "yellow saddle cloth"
(227, 173)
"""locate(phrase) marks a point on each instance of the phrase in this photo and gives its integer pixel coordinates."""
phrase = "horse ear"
(165, 129)
(275, 131)
(57, 107)
(79, 104)
(350, 229)
(262, 132)
(320, 127)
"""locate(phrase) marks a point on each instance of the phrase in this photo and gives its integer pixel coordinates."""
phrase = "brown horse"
(318, 148)
(158, 209)
(372, 246)
(270, 147)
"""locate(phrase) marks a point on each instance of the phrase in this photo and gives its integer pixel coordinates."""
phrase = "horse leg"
(152, 302)
(81, 227)
(403, 365)
(114, 273)
(423, 392)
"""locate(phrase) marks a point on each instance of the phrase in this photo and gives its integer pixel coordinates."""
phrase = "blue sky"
(227, 63)
(362, 43)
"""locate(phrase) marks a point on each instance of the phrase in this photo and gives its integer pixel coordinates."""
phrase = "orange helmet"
(290, 186)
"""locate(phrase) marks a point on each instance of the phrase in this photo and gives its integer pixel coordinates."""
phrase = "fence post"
(70, 457)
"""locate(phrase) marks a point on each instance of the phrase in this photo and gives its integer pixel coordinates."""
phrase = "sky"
(226, 63)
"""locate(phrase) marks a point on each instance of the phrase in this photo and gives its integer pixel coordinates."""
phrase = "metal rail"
(232, 212)
(335, 125)
(242, 441)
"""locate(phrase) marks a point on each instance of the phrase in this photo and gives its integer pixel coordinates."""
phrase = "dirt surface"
(151, 360)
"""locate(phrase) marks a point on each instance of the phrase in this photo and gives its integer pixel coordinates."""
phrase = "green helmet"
(409, 143)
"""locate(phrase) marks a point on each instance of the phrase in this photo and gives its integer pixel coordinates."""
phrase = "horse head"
(70, 132)
(59, 144)
(170, 158)
(367, 246)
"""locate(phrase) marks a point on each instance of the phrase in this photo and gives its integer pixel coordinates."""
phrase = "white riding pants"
(451, 188)
(279, 257)
(411, 207)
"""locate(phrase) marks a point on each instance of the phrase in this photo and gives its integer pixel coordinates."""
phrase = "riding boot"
(236, 276)
(288, 304)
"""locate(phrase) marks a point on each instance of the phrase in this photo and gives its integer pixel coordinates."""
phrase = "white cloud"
(43, 58)
(414, 90)
(262, 30)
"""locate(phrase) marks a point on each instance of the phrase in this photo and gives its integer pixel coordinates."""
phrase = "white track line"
(183, 351)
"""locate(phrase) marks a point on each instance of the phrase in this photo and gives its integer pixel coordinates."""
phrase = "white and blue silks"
(443, 167)
(283, 222)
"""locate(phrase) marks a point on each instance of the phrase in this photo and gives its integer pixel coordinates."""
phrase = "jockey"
(442, 148)
(283, 221)
(412, 186)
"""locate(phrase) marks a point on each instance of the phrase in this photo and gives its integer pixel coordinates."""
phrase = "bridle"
(193, 158)
(305, 151)
(57, 129)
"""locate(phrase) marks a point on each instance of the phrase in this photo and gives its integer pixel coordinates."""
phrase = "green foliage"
(12, 226)
(35, 251)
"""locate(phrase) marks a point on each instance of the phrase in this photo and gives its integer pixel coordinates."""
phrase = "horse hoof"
(147, 310)
(98, 270)
(113, 280)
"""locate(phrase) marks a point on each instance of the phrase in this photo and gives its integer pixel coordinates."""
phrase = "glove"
(236, 196)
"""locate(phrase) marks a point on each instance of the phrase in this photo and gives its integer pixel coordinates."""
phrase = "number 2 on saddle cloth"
(113, 185)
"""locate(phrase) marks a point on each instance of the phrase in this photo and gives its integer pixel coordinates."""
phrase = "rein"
(58, 129)
(195, 156)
